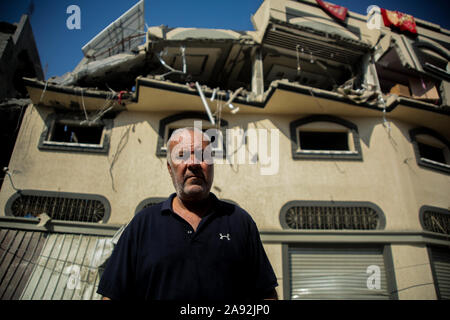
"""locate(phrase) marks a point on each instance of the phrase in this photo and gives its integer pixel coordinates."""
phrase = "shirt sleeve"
(261, 270)
(117, 281)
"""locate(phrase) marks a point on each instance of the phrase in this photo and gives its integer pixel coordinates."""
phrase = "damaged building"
(357, 206)
(18, 58)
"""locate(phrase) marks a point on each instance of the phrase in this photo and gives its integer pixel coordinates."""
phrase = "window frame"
(342, 204)
(46, 144)
(421, 48)
(337, 125)
(57, 194)
(424, 209)
(428, 163)
(165, 126)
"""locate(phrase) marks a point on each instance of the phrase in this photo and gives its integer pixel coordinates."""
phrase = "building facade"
(332, 133)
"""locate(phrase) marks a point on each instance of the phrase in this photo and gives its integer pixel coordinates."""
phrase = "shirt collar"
(167, 205)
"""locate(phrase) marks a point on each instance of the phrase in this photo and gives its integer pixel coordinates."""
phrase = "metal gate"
(51, 266)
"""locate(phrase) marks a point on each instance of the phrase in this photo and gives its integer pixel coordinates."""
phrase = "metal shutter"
(440, 258)
(335, 272)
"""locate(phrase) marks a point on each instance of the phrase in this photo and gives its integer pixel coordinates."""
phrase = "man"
(191, 246)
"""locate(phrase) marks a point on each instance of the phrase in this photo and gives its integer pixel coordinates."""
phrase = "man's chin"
(195, 193)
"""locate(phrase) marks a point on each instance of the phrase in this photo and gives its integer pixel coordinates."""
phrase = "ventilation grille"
(436, 222)
(59, 208)
(331, 218)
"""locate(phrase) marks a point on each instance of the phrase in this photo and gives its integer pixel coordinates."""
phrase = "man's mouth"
(194, 177)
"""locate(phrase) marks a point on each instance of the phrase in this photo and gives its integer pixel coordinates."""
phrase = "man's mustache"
(199, 175)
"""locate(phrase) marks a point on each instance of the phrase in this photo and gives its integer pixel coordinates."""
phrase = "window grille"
(331, 217)
(59, 208)
(436, 221)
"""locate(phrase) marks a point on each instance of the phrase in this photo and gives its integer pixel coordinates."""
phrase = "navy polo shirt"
(160, 257)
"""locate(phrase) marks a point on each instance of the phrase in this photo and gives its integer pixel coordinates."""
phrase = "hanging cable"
(172, 70)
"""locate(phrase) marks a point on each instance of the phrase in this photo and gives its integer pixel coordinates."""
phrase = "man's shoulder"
(233, 210)
(149, 210)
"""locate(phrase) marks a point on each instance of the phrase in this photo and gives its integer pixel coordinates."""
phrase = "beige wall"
(413, 272)
(388, 176)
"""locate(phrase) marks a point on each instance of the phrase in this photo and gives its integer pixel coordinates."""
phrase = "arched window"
(435, 219)
(432, 150)
(331, 215)
(187, 119)
(59, 206)
(325, 137)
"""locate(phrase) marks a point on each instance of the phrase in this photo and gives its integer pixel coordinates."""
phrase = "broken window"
(431, 149)
(325, 137)
(306, 70)
(65, 131)
(71, 133)
(306, 56)
(395, 78)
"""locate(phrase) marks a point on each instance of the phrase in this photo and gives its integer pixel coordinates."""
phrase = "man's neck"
(196, 207)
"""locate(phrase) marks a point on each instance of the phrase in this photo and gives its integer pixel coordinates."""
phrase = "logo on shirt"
(224, 236)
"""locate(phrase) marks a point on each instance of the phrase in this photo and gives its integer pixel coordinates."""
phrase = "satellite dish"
(122, 35)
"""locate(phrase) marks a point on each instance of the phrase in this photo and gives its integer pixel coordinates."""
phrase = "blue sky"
(60, 48)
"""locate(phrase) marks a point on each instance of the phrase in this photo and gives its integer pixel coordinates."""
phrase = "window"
(435, 219)
(187, 119)
(325, 137)
(327, 215)
(433, 58)
(68, 132)
(431, 149)
(336, 141)
(338, 271)
(59, 206)
(148, 203)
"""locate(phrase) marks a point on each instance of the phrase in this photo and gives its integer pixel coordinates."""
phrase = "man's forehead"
(190, 139)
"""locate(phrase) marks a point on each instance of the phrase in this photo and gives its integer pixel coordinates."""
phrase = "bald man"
(191, 247)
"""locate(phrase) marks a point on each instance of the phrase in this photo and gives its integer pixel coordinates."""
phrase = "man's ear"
(169, 167)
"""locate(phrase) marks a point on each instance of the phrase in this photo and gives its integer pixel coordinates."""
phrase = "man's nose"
(194, 159)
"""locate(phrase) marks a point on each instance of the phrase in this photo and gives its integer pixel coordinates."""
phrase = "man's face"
(192, 174)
